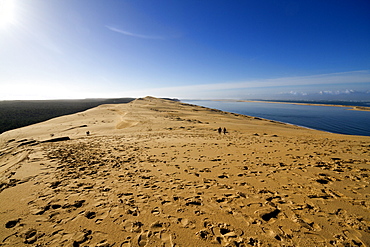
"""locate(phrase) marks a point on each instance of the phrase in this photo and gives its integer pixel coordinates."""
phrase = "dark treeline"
(18, 113)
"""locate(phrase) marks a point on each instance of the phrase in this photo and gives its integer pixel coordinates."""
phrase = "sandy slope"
(157, 173)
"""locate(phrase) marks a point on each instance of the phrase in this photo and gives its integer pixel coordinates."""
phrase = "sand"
(155, 172)
(354, 108)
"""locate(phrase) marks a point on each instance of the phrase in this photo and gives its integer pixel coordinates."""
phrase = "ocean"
(327, 118)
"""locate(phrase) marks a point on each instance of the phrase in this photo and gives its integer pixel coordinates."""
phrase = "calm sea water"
(326, 118)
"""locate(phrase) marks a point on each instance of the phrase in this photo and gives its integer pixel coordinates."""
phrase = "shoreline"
(292, 103)
(354, 108)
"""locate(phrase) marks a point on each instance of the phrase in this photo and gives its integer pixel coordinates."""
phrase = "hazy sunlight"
(6, 12)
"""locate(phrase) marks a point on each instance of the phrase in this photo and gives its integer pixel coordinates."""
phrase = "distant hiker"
(219, 130)
(225, 131)
(87, 132)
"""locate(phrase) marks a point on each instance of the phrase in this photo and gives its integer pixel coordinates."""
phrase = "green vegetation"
(18, 113)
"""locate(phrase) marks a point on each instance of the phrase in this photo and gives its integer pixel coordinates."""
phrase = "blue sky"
(185, 49)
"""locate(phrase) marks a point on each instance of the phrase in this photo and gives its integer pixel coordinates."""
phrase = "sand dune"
(155, 172)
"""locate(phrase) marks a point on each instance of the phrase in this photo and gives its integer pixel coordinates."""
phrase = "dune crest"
(155, 172)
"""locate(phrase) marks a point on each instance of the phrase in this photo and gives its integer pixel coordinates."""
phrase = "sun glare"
(6, 12)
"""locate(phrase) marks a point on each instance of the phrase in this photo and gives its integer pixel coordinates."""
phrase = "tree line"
(19, 113)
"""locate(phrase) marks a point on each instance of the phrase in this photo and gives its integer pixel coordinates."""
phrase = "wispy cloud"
(236, 88)
(117, 30)
(332, 78)
(347, 91)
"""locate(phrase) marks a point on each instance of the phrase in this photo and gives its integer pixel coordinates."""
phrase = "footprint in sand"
(126, 243)
(223, 175)
(224, 234)
(12, 223)
(90, 214)
(158, 226)
(103, 244)
(30, 236)
(305, 222)
(81, 237)
(132, 211)
(277, 236)
(322, 181)
(221, 233)
(156, 211)
(166, 238)
(186, 223)
(194, 201)
(143, 238)
(204, 234)
(136, 226)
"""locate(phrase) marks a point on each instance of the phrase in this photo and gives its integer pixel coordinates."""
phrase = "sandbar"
(355, 108)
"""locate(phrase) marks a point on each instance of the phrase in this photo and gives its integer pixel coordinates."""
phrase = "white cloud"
(333, 78)
(235, 88)
(337, 92)
(295, 93)
(117, 30)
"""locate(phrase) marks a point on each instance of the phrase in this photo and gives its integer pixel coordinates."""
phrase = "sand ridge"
(169, 179)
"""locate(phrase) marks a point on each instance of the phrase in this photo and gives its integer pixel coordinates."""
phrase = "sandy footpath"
(157, 173)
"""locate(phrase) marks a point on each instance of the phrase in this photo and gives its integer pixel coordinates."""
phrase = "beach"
(354, 108)
(156, 172)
